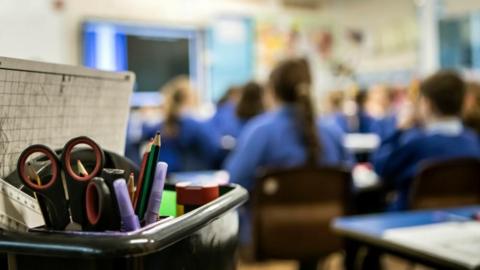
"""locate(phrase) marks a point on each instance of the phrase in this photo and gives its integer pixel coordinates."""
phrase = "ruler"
(18, 210)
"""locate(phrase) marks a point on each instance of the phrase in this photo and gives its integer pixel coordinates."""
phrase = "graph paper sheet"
(50, 104)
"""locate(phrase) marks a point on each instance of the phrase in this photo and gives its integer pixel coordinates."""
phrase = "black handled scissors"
(60, 189)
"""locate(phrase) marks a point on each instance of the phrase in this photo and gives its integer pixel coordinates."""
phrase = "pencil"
(81, 168)
(41, 202)
(32, 174)
(131, 187)
(142, 174)
(149, 175)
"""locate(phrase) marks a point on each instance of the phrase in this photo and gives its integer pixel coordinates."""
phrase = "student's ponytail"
(291, 81)
(306, 120)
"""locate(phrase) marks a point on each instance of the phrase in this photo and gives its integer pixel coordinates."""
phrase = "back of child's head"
(231, 95)
(251, 101)
(178, 94)
(445, 90)
(291, 81)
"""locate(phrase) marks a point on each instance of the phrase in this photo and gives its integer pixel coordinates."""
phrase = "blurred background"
(358, 42)
(364, 54)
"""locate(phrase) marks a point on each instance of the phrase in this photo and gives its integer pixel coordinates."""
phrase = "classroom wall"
(33, 29)
(390, 29)
(460, 7)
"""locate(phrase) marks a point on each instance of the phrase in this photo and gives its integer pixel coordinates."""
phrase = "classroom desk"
(369, 230)
(361, 178)
(220, 177)
(359, 143)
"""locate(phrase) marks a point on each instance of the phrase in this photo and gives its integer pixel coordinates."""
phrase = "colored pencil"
(149, 175)
(32, 174)
(131, 186)
(142, 174)
(81, 168)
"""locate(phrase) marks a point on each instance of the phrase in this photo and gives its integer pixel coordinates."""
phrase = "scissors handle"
(77, 184)
(47, 185)
(98, 205)
(67, 154)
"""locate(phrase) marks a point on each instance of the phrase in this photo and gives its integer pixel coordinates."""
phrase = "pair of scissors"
(60, 189)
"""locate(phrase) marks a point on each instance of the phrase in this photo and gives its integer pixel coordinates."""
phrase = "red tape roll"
(196, 194)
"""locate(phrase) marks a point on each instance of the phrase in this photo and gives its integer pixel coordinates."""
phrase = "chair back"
(293, 209)
(449, 183)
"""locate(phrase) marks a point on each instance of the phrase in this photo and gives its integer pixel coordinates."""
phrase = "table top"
(363, 177)
(361, 143)
(220, 177)
(371, 229)
(376, 224)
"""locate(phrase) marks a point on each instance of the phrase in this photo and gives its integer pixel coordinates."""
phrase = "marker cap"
(129, 221)
(155, 200)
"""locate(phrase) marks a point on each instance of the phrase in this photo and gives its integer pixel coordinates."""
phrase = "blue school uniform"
(225, 120)
(363, 123)
(384, 127)
(400, 156)
(272, 140)
(224, 123)
(192, 148)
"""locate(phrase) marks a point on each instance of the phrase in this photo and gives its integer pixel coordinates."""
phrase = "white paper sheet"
(49, 104)
(455, 241)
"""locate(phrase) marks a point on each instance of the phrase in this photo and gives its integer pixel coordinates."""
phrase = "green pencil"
(149, 175)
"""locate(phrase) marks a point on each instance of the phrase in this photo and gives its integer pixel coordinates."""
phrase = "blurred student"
(378, 101)
(335, 102)
(435, 132)
(186, 143)
(251, 102)
(352, 118)
(379, 108)
(224, 120)
(471, 108)
(287, 137)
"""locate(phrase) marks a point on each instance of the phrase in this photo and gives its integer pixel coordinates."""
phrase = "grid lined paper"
(50, 104)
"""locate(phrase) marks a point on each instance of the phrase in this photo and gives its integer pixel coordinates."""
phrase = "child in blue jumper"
(287, 137)
(187, 144)
(290, 135)
(434, 132)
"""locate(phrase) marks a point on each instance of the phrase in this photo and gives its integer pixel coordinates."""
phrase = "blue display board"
(231, 48)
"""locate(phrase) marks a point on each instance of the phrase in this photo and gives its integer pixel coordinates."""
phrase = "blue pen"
(156, 192)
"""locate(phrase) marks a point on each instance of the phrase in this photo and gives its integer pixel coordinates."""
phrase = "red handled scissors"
(61, 189)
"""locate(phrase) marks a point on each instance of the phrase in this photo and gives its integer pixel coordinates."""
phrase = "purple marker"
(156, 192)
(129, 219)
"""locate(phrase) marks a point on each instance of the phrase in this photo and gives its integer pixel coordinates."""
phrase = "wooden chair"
(448, 183)
(292, 210)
